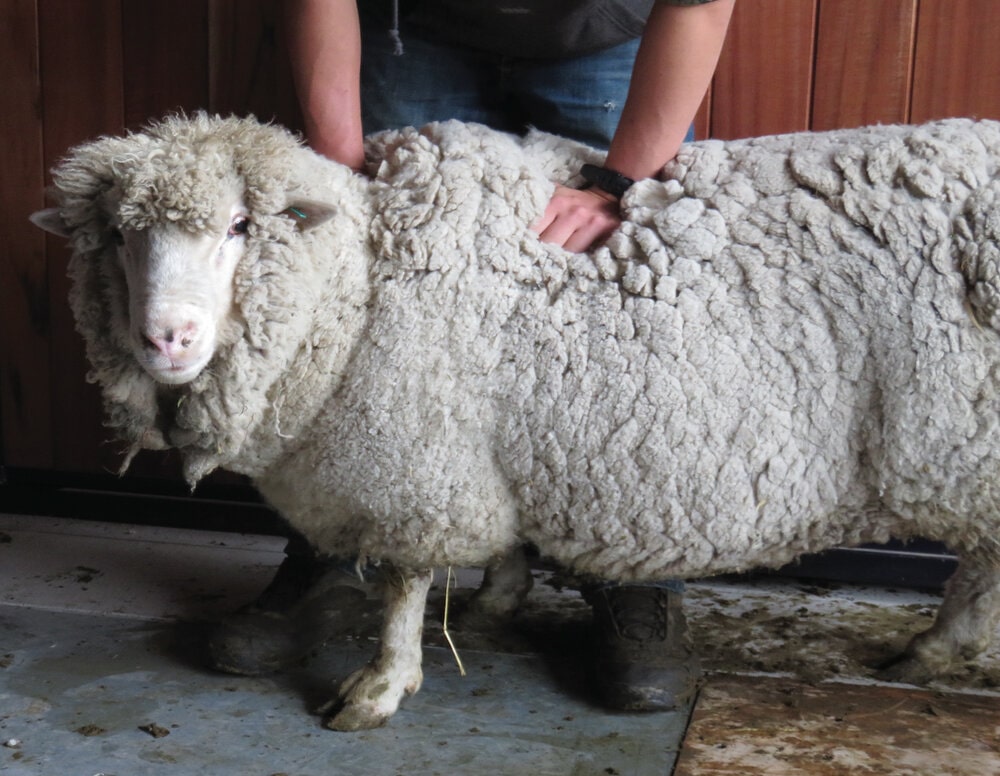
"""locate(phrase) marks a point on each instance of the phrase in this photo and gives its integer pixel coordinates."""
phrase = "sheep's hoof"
(905, 669)
(368, 697)
(484, 615)
(352, 717)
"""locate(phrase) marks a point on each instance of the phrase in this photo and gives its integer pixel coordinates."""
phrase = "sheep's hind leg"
(506, 583)
(369, 696)
(964, 627)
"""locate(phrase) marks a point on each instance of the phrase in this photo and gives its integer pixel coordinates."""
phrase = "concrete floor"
(102, 671)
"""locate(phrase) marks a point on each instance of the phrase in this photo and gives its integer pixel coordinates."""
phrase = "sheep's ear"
(50, 220)
(309, 214)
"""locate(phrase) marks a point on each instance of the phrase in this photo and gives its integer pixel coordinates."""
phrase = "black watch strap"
(610, 181)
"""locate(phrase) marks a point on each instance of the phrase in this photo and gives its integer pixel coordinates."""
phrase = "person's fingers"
(577, 219)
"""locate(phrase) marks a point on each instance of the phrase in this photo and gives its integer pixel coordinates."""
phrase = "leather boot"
(644, 659)
(309, 601)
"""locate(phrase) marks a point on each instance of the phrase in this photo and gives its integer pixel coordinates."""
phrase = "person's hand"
(578, 219)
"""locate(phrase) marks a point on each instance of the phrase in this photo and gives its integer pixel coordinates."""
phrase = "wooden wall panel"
(703, 119)
(165, 57)
(24, 314)
(863, 62)
(248, 62)
(764, 79)
(74, 70)
(82, 99)
(956, 69)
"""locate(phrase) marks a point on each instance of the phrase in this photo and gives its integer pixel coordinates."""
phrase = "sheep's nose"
(172, 341)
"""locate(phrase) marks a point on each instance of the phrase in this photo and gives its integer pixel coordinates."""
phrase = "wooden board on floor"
(754, 725)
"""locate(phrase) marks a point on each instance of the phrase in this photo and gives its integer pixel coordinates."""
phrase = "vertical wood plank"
(106, 64)
(703, 118)
(249, 70)
(24, 314)
(81, 98)
(764, 78)
(165, 58)
(956, 68)
(863, 62)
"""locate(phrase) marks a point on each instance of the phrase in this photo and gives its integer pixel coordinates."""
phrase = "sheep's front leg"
(965, 625)
(371, 695)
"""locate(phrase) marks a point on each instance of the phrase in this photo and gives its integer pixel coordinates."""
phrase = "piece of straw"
(444, 624)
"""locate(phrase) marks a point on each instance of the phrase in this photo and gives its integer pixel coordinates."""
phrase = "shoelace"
(639, 615)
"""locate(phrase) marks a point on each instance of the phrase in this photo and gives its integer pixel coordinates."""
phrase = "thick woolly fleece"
(792, 343)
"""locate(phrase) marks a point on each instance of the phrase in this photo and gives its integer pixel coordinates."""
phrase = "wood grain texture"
(764, 79)
(249, 69)
(863, 63)
(24, 312)
(761, 726)
(82, 99)
(165, 57)
(703, 118)
(74, 70)
(956, 68)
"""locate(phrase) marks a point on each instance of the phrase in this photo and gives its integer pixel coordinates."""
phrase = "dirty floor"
(102, 672)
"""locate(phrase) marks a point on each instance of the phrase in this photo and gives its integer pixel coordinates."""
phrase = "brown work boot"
(309, 602)
(644, 659)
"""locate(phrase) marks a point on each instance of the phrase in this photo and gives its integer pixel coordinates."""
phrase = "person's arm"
(677, 57)
(325, 52)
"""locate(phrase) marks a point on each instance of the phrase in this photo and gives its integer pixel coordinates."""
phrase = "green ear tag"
(296, 212)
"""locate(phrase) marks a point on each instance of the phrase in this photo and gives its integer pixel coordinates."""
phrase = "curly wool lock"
(790, 344)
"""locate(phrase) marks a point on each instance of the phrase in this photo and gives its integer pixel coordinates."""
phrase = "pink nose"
(172, 342)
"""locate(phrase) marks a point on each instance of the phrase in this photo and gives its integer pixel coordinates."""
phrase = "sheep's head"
(169, 214)
(180, 290)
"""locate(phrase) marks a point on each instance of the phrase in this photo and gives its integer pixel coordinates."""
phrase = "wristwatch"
(609, 181)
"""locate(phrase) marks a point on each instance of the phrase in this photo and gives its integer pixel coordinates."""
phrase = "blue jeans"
(579, 97)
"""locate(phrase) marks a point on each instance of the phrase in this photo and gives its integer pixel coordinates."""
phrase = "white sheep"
(791, 344)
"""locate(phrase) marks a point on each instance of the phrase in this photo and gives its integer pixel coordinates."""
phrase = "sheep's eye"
(117, 237)
(239, 225)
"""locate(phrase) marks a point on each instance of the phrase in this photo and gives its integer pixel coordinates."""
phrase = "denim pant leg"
(578, 97)
(429, 81)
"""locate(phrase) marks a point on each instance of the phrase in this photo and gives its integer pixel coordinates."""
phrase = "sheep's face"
(180, 292)
(163, 215)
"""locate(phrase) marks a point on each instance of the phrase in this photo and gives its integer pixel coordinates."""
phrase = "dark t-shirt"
(524, 28)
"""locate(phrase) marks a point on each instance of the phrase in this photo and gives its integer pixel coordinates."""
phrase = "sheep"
(790, 344)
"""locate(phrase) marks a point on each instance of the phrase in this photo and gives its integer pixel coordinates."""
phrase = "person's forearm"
(673, 69)
(325, 52)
